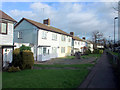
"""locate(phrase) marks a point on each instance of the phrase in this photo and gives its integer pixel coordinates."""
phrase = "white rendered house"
(78, 44)
(46, 42)
(6, 38)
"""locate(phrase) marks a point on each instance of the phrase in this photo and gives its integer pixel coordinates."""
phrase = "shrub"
(13, 69)
(28, 59)
(23, 47)
(87, 51)
(17, 59)
(98, 51)
(23, 59)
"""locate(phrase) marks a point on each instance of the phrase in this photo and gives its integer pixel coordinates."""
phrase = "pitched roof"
(77, 38)
(43, 26)
(5, 16)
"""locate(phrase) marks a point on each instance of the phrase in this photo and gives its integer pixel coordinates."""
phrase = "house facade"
(89, 45)
(6, 38)
(46, 42)
(78, 44)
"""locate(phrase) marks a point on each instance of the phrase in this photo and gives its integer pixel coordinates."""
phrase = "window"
(54, 36)
(63, 38)
(78, 43)
(3, 28)
(44, 35)
(54, 49)
(62, 49)
(19, 35)
(68, 39)
(44, 50)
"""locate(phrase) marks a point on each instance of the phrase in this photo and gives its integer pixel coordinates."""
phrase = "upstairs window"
(54, 36)
(44, 35)
(19, 35)
(68, 39)
(3, 28)
(63, 38)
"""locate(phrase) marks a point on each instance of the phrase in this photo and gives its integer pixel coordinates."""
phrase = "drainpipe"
(37, 44)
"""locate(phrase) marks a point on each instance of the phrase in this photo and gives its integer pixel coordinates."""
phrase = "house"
(6, 38)
(78, 45)
(46, 42)
(89, 45)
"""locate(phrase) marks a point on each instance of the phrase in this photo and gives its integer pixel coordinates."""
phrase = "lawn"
(91, 55)
(83, 56)
(47, 78)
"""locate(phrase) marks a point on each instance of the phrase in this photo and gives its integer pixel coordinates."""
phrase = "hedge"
(23, 59)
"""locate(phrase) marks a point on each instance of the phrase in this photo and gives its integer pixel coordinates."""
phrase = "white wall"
(54, 43)
(7, 39)
(78, 46)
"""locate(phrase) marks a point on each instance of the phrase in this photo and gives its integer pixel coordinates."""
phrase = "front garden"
(64, 74)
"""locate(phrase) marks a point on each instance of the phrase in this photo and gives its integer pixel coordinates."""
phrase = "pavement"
(101, 76)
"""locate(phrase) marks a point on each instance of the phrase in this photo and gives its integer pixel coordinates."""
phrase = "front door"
(7, 56)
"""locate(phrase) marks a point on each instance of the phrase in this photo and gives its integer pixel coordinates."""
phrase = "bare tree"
(97, 38)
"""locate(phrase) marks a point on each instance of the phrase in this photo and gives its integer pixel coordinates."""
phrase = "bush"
(87, 51)
(23, 47)
(98, 51)
(28, 59)
(17, 59)
(23, 58)
(13, 69)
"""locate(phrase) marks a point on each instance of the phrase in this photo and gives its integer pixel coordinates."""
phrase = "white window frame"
(44, 35)
(63, 38)
(19, 35)
(62, 49)
(54, 36)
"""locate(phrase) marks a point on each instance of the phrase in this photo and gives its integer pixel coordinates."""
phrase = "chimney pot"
(72, 33)
(46, 21)
(83, 38)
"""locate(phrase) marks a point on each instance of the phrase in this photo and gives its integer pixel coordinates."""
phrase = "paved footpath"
(101, 76)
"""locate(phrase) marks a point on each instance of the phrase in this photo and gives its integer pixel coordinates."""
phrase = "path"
(101, 76)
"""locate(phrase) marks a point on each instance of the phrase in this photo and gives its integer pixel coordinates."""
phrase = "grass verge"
(46, 78)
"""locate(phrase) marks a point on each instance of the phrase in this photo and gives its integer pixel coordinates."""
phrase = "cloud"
(78, 17)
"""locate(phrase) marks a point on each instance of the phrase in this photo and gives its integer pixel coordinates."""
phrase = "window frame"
(54, 36)
(20, 36)
(6, 28)
(43, 34)
(62, 50)
(63, 38)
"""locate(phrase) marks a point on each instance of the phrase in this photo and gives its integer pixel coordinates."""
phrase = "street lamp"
(114, 31)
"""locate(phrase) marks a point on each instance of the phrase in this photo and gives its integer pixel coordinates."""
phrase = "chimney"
(72, 33)
(46, 21)
(83, 38)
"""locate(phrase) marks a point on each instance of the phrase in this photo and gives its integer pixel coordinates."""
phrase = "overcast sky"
(82, 18)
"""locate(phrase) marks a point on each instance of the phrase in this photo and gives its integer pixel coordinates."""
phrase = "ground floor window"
(44, 50)
(62, 49)
(54, 49)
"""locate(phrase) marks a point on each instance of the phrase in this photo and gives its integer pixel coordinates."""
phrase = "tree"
(97, 38)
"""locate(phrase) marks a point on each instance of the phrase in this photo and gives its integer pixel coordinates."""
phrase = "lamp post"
(114, 31)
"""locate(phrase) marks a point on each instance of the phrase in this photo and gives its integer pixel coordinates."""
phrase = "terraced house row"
(46, 42)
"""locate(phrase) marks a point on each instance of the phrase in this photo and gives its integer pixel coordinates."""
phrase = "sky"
(82, 18)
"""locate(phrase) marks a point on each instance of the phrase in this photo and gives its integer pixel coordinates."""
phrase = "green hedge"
(17, 59)
(98, 51)
(23, 47)
(87, 51)
(23, 59)
(28, 59)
